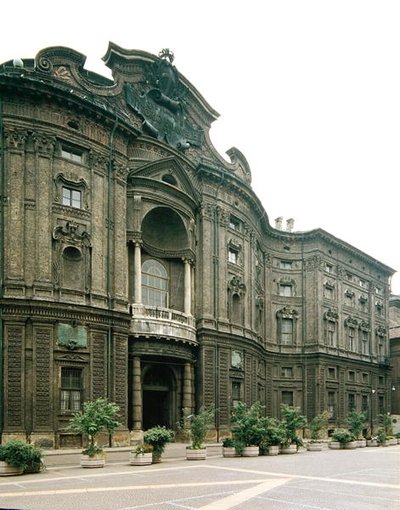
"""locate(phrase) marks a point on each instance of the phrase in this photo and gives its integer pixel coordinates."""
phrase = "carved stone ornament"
(351, 322)
(161, 106)
(236, 285)
(349, 293)
(364, 326)
(72, 233)
(363, 298)
(287, 313)
(381, 331)
(331, 315)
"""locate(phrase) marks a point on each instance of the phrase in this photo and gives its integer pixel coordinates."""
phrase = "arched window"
(154, 284)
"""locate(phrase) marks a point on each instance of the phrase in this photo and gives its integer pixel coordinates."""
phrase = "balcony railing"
(162, 322)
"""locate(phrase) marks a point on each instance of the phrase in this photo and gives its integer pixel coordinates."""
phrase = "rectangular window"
(331, 333)
(329, 268)
(287, 331)
(72, 154)
(328, 293)
(72, 197)
(234, 223)
(232, 256)
(287, 372)
(287, 398)
(364, 342)
(352, 376)
(365, 378)
(381, 404)
(351, 342)
(364, 404)
(285, 264)
(331, 373)
(71, 389)
(351, 402)
(236, 392)
(331, 404)
(285, 290)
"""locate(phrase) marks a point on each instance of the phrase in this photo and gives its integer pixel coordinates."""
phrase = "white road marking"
(88, 490)
(245, 495)
(305, 477)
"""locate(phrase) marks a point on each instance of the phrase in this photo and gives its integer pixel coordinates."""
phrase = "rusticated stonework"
(14, 372)
(43, 398)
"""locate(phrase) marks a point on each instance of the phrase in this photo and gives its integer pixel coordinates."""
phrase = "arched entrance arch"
(159, 396)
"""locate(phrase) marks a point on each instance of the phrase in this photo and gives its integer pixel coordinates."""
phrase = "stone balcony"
(152, 321)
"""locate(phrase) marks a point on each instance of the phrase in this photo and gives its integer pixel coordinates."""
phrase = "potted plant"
(273, 435)
(345, 439)
(292, 420)
(142, 455)
(316, 426)
(381, 437)
(17, 457)
(158, 437)
(97, 416)
(228, 448)
(385, 421)
(198, 426)
(247, 429)
(372, 441)
(355, 422)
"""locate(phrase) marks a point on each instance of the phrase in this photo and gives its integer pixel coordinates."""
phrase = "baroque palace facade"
(138, 264)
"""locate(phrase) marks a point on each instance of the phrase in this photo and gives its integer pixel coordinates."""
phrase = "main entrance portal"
(159, 397)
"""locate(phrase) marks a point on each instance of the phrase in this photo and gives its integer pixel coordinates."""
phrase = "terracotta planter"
(273, 449)
(141, 459)
(288, 450)
(251, 451)
(229, 451)
(196, 454)
(97, 461)
(7, 469)
(314, 447)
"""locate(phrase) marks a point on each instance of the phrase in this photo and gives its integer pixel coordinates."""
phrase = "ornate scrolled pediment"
(287, 313)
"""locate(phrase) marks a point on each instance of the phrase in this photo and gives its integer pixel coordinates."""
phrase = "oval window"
(72, 253)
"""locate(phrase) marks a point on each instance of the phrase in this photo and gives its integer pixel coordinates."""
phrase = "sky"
(307, 90)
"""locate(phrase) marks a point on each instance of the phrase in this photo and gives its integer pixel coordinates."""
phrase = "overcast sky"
(309, 91)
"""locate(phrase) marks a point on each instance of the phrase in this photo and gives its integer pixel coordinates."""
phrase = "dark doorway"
(158, 397)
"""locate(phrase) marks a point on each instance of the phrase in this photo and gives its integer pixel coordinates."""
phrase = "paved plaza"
(362, 479)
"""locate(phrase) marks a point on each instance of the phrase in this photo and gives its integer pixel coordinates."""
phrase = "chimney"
(290, 224)
(278, 223)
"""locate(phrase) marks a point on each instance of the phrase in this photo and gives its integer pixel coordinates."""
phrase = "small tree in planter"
(355, 422)
(345, 438)
(247, 429)
(17, 457)
(292, 420)
(316, 426)
(385, 420)
(273, 434)
(97, 416)
(158, 437)
(142, 455)
(228, 447)
(199, 424)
